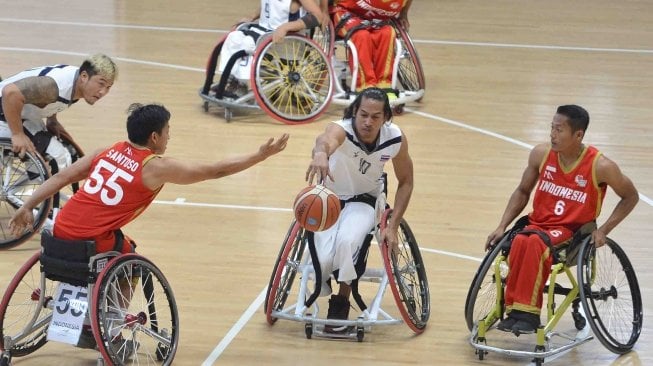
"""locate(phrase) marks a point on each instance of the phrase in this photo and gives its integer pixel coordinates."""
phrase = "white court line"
(233, 332)
(422, 41)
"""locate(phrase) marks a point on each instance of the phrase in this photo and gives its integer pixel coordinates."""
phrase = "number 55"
(96, 182)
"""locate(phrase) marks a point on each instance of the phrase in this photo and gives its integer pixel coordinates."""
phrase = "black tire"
(150, 321)
(610, 295)
(19, 177)
(19, 304)
(482, 294)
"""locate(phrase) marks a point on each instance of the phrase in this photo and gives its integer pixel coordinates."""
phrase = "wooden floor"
(495, 71)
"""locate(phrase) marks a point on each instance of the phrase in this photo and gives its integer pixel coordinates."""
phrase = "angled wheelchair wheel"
(292, 80)
(610, 295)
(410, 73)
(483, 292)
(19, 177)
(407, 277)
(20, 304)
(284, 272)
(134, 313)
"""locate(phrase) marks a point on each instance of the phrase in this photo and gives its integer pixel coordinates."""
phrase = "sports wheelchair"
(403, 271)
(119, 304)
(408, 75)
(292, 80)
(605, 293)
(19, 177)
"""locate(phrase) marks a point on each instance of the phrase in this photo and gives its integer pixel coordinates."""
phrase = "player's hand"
(598, 238)
(389, 237)
(319, 168)
(493, 238)
(279, 33)
(23, 220)
(272, 147)
(57, 129)
(22, 144)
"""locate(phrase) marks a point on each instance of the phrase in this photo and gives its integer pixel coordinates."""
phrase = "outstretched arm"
(167, 170)
(23, 218)
(37, 90)
(325, 145)
(519, 198)
(609, 173)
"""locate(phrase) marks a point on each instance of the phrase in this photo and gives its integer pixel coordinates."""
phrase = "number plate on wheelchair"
(71, 303)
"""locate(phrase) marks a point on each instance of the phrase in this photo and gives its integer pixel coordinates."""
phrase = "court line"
(418, 41)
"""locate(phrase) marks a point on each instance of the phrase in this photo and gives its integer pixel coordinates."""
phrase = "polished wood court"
(495, 71)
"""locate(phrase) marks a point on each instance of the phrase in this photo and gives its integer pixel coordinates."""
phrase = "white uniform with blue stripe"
(355, 170)
(33, 116)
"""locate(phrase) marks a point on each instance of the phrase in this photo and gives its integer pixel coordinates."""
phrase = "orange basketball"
(316, 208)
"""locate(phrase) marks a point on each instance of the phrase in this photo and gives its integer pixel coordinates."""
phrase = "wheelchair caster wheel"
(228, 114)
(5, 359)
(360, 334)
(161, 352)
(308, 329)
(398, 109)
(205, 106)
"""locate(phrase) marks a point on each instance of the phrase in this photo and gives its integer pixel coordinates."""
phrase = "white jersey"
(277, 12)
(354, 169)
(63, 75)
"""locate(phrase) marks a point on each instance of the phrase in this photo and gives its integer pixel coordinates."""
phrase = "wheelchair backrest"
(67, 260)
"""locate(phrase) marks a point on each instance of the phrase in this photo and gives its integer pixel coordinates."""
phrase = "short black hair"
(578, 117)
(145, 119)
(370, 93)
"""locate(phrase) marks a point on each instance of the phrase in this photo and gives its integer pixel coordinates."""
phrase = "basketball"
(316, 208)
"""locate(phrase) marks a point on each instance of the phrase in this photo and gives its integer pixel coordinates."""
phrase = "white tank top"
(356, 170)
(63, 75)
(277, 12)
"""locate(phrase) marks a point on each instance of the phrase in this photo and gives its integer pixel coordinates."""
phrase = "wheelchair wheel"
(410, 73)
(610, 295)
(20, 304)
(284, 272)
(292, 79)
(18, 179)
(482, 294)
(134, 314)
(407, 277)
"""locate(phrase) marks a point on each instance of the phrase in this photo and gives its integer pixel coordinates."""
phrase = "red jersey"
(112, 196)
(568, 198)
(372, 9)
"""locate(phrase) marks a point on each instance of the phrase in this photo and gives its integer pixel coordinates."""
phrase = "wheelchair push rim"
(145, 331)
(407, 277)
(292, 80)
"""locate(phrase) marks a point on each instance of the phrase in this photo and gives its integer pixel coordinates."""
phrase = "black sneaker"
(527, 323)
(124, 348)
(506, 324)
(86, 339)
(338, 309)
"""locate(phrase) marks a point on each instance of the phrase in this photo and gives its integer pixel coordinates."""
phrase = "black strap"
(120, 241)
(310, 237)
(364, 198)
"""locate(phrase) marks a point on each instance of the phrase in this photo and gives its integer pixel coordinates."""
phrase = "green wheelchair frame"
(605, 285)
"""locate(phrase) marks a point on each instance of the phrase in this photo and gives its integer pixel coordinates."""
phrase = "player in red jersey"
(122, 180)
(362, 21)
(570, 181)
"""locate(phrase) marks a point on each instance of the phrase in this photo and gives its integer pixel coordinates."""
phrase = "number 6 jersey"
(112, 195)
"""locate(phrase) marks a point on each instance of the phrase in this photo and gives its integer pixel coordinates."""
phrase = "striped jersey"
(354, 168)
(568, 197)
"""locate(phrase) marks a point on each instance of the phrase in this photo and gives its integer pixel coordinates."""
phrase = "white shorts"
(55, 148)
(339, 246)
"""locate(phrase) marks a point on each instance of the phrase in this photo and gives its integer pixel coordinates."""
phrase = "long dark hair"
(370, 93)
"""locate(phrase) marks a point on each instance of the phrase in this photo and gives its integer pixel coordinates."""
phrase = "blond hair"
(100, 64)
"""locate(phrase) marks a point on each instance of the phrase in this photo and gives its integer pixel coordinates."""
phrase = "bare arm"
(609, 173)
(403, 167)
(325, 144)
(37, 90)
(519, 198)
(166, 170)
(23, 217)
(403, 15)
(314, 14)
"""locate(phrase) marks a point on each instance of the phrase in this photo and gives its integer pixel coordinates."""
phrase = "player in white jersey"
(349, 158)
(31, 96)
(278, 16)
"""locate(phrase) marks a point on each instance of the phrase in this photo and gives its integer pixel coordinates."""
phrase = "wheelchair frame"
(412, 299)
(105, 273)
(493, 269)
(292, 90)
(408, 74)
